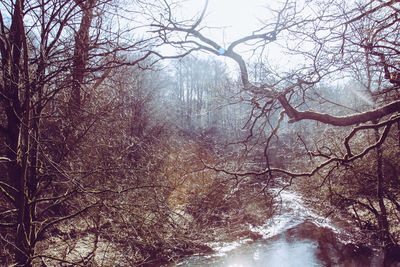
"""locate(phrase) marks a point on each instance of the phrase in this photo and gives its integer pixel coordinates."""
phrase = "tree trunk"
(19, 138)
(398, 133)
(81, 53)
(383, 224)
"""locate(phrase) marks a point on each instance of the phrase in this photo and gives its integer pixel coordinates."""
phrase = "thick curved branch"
(296, 115)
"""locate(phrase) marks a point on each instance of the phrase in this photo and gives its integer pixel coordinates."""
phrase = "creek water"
(296, 236)
(278, 253)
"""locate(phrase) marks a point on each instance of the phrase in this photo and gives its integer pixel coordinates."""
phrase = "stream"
(296, 236)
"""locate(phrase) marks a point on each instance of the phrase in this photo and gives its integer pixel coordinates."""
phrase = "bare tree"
(51, 52)
(331, 42)
(195, 93)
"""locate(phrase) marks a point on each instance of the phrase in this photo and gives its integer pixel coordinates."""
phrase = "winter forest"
(138, 133)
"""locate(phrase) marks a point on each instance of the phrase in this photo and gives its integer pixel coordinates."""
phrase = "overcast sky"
(237, 18)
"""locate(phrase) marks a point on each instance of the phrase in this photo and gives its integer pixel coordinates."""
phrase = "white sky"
(237, 18)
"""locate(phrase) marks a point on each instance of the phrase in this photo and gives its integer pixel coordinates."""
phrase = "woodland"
(131, 136)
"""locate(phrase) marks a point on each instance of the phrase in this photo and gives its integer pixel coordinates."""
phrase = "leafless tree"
(329, 43)
(54, 56)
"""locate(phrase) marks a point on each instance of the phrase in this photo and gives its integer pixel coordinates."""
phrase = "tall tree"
(326, 43)
(197, 83)
(50, 51)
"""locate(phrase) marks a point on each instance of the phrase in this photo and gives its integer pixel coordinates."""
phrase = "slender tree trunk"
(81, 52)
(398, 132)
(382, 217)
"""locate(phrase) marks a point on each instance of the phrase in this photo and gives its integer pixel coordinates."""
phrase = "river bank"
(295, 236)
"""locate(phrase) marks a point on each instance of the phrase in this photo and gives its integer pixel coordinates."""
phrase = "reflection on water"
(278, 252)
(288, 242)
(282, 253)
(294, 237)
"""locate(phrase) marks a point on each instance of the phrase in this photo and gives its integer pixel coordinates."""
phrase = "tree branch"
(348, 120)
(58, 259)
(365, 127)
(57, 220)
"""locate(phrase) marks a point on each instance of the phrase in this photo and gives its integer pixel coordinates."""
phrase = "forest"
(135, 133)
